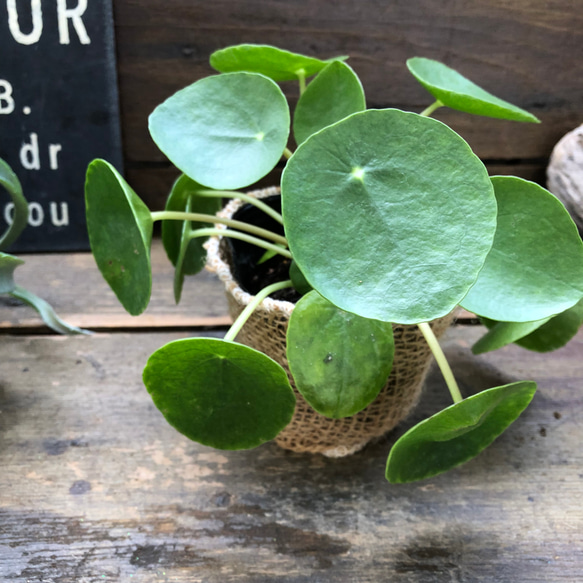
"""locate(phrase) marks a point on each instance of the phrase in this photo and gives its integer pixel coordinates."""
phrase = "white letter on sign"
(6, 99)
(74, 14)
(37, 22)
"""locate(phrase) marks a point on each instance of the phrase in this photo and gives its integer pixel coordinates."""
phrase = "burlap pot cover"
(309, 431)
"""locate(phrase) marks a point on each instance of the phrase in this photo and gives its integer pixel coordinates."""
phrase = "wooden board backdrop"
(526, 51)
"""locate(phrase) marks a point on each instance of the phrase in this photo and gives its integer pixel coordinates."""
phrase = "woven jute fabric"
(309, 431)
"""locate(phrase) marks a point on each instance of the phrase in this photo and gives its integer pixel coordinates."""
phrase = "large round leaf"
(225, 131)
(219, 393)
(8, 263)
(120, 233)
(389, 215)
(333, 95)
(339, 360)
(272, 62)
(457, 92)
(457, 434)
(183, 193)
(10, 182)
(535, 268)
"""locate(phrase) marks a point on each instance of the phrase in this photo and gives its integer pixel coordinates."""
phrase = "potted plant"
(8, 262)
(389, 220)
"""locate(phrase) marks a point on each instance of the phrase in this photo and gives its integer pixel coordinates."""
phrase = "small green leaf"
(457, 434)
(339, 361)
(553, 334)
(46, 312)
(300, 283)
(8, 263)
(218, 393)
(272, 62)
(503, 333)
(535, 268)
(225, 131)
(416, 240)
(183, 191)
(457, 92)
(269, 254)
(333, 95)
(120, 234)
(10, 182)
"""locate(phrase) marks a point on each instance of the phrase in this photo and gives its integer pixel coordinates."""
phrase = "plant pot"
(266, 331)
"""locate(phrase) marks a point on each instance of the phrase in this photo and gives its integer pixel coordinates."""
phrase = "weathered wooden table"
(95, 486)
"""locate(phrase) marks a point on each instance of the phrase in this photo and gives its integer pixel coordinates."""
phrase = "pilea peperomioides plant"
(389, 217)
(8, 263)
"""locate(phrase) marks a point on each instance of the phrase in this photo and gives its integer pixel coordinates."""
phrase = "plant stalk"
(202, 218)
(302, 80)
(245, 197)
(252, 306)
(210, 232)
(427, 112)
(441, 361)
(287, 153)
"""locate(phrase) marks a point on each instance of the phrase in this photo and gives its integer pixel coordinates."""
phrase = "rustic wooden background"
(526, 51)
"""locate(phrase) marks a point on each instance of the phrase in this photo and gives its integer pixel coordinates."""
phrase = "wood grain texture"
(95, 486)
(526, 52)
(72, 284)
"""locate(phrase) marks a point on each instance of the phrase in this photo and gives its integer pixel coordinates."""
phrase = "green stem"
(427, 112)
(11, 183)
(302, 80)
(245, 197)
(287, 153)
(441, 361)
(202, 218)
(210, 232)
(252, 306)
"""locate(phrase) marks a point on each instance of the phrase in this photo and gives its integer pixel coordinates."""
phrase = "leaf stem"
(287, 153)
(252, 306)
(441, 361)
(245, 197)
(202, 218)
(302, 80)
(210, 232)
(427, 112)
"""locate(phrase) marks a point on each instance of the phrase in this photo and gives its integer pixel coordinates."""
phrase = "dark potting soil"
(251, 275)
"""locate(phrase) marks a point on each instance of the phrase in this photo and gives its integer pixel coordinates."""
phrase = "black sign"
(58, 111)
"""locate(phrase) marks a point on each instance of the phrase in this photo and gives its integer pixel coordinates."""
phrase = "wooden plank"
(525, 52)
(72, 284)
(95, 486)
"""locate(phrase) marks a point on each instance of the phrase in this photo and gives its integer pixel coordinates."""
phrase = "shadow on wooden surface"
(95, 486)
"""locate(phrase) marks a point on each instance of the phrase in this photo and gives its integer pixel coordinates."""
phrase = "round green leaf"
(333, 95)
(218, 393)
(457, 92)
(120, 233)
(8, 263)
(10, 182)
(183, 193)
(272, 62)
(551, 334)
(225, 131)
(502, 333)
(535, 268)
(339, 361)
(457, 434)
(556, 332)
(389, 215)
